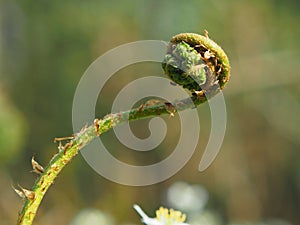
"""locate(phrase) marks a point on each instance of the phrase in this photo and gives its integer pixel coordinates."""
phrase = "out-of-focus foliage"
(45, 47)
(13, 130)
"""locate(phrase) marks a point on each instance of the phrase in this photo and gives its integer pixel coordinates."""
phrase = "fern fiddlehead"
(193, 61)
(197, 63)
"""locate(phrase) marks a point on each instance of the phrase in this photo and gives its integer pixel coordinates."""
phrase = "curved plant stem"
(87, 134)
(208, 51)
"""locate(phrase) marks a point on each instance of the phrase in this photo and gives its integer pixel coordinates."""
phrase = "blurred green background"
(45, 47)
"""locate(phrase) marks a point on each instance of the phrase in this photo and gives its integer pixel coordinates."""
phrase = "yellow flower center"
(170, 217)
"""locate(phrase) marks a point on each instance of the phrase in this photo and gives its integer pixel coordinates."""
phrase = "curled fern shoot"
(193, 61)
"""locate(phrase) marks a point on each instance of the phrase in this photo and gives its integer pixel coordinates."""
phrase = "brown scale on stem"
(54, 167)
(62, 147)
(63, 139)
(96, 124)
(19, 193)
(37, 168)
(27, 193)
(67, 146)
(170, 108)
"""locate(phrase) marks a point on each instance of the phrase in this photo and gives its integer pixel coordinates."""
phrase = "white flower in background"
(186, 197)
(163, 217)
(92, 216)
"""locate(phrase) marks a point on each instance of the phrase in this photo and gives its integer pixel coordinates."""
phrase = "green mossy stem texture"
(213, 60)
(82, 138)
(79, 140)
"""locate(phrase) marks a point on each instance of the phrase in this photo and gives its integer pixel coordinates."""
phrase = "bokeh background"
(45, 47)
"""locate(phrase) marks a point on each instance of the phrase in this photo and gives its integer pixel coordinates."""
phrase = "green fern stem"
(151, 109)
(81, 139)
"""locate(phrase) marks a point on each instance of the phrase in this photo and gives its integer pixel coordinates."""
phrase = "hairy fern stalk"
(193, 61)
